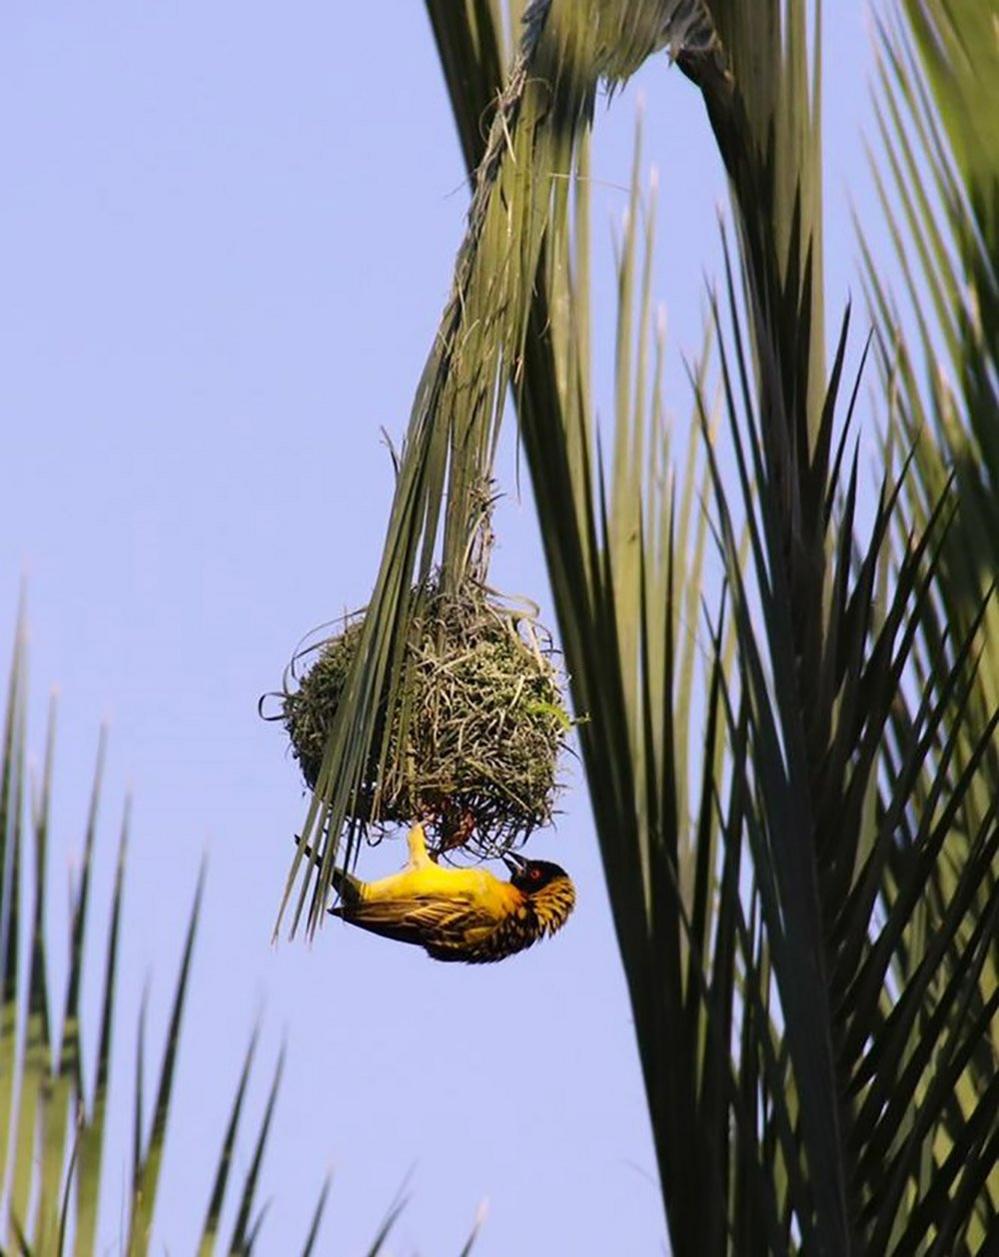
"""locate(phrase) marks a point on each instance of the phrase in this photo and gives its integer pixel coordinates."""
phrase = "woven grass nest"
(474, 743)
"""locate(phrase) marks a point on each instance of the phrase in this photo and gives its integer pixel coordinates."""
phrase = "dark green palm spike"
(389, 1221)
(92, 1130)
(242, 1230)
(137, 1244)
(210, 1230)
(469, 1244)
(148, 1158)
(317, 1218)
(255, 1228)
(11, 813)
(69, 1058)
(36, 1059)
(66, 1084)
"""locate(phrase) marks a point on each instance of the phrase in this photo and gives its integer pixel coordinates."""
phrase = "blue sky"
(225, 238)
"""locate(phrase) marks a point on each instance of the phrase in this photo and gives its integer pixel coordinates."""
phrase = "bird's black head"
(530, 876)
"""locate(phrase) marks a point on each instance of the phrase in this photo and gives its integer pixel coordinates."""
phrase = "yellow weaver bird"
(459, 914)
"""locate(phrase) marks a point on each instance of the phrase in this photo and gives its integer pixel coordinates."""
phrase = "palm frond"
(148, 1155)
(317, 1217)
(938, 339)
(56, 1119)
(67, 1082)
(242, 1234)
(36, 1053)
(819, 837)
(387, 1223)
(938, 357)
(91, 1119)
(11, 811)
(210, 1230)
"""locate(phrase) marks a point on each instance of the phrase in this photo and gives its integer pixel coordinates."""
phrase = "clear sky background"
(226, 234)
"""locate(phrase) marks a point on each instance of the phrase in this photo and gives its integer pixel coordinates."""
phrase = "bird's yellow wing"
(427, 920)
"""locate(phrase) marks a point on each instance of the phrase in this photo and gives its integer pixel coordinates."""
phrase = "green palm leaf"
(57, 1124)
(210, 1230)
(788, 978)
(938, 70)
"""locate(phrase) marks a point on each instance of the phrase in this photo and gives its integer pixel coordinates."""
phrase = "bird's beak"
(515, 863)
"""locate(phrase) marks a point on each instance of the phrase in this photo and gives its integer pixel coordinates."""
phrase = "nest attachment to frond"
(474, 741)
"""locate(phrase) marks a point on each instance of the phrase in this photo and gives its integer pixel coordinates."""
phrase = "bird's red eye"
(534, 874)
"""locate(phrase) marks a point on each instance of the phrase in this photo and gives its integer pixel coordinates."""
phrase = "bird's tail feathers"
(347, 887)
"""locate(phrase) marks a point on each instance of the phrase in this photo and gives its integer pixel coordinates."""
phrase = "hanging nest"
(474, 742)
